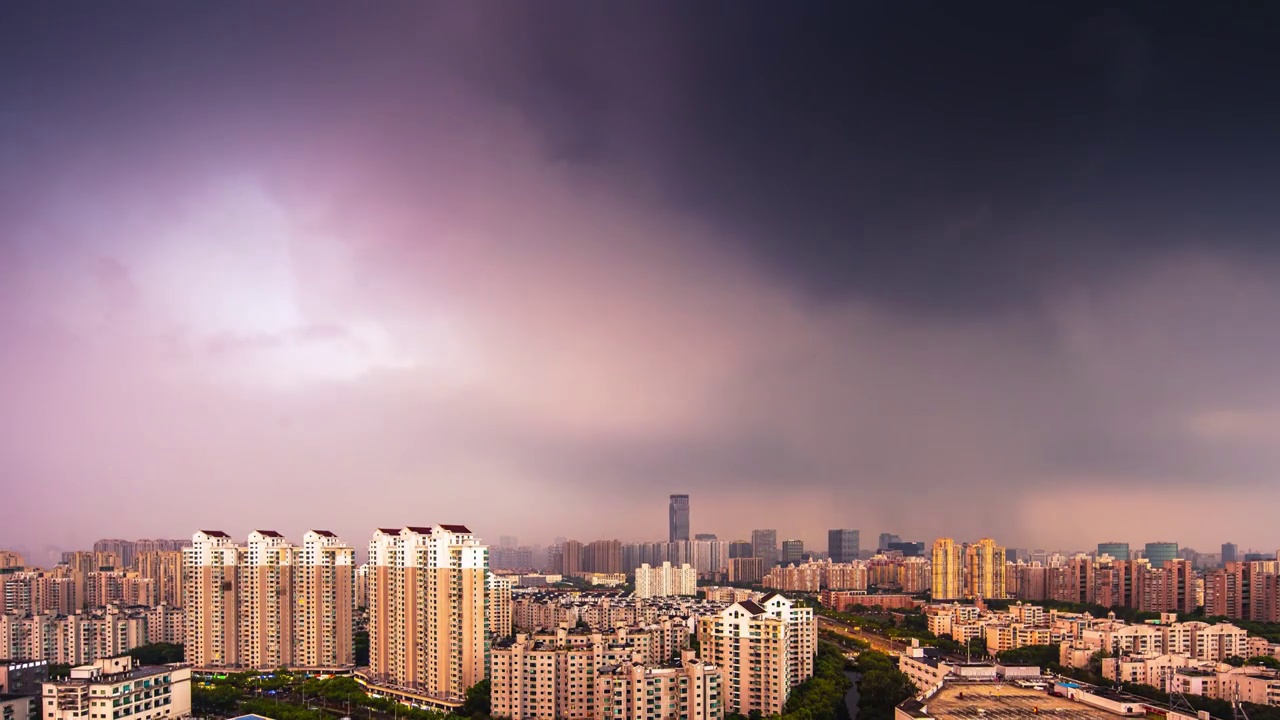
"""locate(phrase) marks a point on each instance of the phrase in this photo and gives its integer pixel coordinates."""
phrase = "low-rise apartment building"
(116, 689)
(685, 688)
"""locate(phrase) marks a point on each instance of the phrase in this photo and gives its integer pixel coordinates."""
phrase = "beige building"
(164, 569)
(427, 611)
(553, 674)
(11, 559)
(985, 566)
(499, 606)
(948, 570)
(267, 603)
(114, 689)
(88, 636)
(666, 580)
(683, 689)
(764, 649)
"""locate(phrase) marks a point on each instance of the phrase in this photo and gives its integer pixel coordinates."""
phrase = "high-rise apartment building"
(602, 556)
(666, 580)
(678, 518)
(1243, 591)
(740, 549)
(792, 552)
(764, 649)
(499, 606)
(764, 545)
(10, 559)
(164, 568)
(427, 610)
(843, 545)
(1117, 550)
(1158, 553)
(746, 570)
(1229, 553)
(267, 603)
(985, 563)
(948, 570)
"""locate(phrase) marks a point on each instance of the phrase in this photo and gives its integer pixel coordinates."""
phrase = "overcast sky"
(955, 269)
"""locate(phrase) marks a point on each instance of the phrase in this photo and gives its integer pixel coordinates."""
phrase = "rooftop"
(1003, 702)
(138, 672)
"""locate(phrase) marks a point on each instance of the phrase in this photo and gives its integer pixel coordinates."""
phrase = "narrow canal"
(851, 697)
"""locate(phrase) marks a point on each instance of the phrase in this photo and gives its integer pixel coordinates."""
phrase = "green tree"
(360, 644)
(1040, 655)
(477, 702)
(882, 686)
(1267, 661)
(158, 654)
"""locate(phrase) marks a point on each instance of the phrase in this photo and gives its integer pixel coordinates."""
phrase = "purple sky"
(446, 264)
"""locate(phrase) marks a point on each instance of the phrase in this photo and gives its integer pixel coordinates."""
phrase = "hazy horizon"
(1002, 271)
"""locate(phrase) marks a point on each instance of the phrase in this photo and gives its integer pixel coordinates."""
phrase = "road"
(878, 642)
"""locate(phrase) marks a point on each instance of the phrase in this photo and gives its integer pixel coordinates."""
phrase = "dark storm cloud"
(941, 155)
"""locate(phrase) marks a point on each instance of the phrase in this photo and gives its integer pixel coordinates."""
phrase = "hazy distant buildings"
(764, 545)
(843, 545)
(1157, 553)
(1117, 550)
(792, 551)
(705, 536)
(908, 549)
(948, 570)
(1229, 552)
(886, 540)
(428, 612)
(267, 603)
(740, 549)
(678, 518)
(746, 570)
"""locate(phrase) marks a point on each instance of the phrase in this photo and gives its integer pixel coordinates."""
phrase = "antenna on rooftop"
(1237, 707)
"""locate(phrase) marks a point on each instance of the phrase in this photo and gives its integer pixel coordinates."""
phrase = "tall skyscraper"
(428, 609)
(267, 603)
(1229, 552)
(1117, 550)
(985, 562)
(842, 545)
(764, 545)
(792, 552)
(678, 517)
(948, 570)
(1157, 553)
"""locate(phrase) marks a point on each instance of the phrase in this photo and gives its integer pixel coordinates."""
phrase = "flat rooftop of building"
(133, 674)
(1002, 701)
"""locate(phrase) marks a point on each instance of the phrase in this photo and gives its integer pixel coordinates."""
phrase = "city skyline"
(820, 543)
(930, 268)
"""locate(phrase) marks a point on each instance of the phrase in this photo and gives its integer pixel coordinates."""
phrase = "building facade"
(843, 545)
(427, 610)
(678, 518)
(666, 580)
(947, 566)
(267, 603)
(114, 688)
